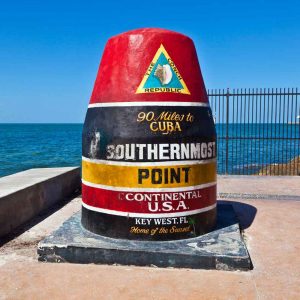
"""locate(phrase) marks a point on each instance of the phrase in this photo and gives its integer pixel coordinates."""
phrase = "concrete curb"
(26, 194)
(257, 196)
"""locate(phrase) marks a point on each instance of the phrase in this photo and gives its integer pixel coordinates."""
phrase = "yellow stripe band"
(148, 176)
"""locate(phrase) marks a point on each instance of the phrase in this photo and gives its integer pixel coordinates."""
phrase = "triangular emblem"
(162, 76)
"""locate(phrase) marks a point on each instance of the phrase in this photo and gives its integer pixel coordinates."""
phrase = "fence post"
(227, 121)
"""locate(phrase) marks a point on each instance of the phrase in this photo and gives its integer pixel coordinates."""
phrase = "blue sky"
(50, 50)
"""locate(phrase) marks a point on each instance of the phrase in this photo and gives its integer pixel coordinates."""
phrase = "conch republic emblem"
(149, 141)
(162, 76)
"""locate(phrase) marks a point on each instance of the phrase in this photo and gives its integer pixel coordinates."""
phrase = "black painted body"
(117, 226)
(118, 125)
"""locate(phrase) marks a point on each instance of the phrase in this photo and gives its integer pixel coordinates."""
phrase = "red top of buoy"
(149, 65)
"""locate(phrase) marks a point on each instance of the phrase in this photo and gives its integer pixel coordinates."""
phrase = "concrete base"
(222, 249)
(26, 194)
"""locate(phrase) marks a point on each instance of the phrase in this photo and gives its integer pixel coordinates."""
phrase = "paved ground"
(272, 231)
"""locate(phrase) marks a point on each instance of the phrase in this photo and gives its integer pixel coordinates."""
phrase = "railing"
(258, 131)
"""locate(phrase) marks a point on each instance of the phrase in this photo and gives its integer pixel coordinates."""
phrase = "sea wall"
(26, 194)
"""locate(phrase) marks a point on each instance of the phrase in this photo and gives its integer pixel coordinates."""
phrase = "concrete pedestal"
(222, 249)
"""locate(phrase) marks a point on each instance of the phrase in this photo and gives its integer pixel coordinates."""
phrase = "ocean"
(25, 146)
(251, 147)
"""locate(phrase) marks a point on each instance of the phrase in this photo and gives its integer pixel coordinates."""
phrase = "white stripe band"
(141, 215)
(112, 104)
(142, 164)
(152, 190)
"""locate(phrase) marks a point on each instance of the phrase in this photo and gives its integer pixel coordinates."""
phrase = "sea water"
(250, 146)
(25, 146)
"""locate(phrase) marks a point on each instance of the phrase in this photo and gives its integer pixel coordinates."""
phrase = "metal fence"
(258, 130)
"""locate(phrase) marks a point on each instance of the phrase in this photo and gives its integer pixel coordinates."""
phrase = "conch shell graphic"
(163, 73)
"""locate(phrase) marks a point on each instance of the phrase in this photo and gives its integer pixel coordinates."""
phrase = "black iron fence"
(258, 130)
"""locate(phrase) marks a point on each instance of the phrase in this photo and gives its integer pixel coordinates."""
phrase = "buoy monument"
(149, 141)
(149, 165)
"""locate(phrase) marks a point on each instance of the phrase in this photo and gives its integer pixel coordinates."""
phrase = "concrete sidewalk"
(268, 208)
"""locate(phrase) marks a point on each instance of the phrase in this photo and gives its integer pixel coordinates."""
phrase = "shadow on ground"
(245, 213)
